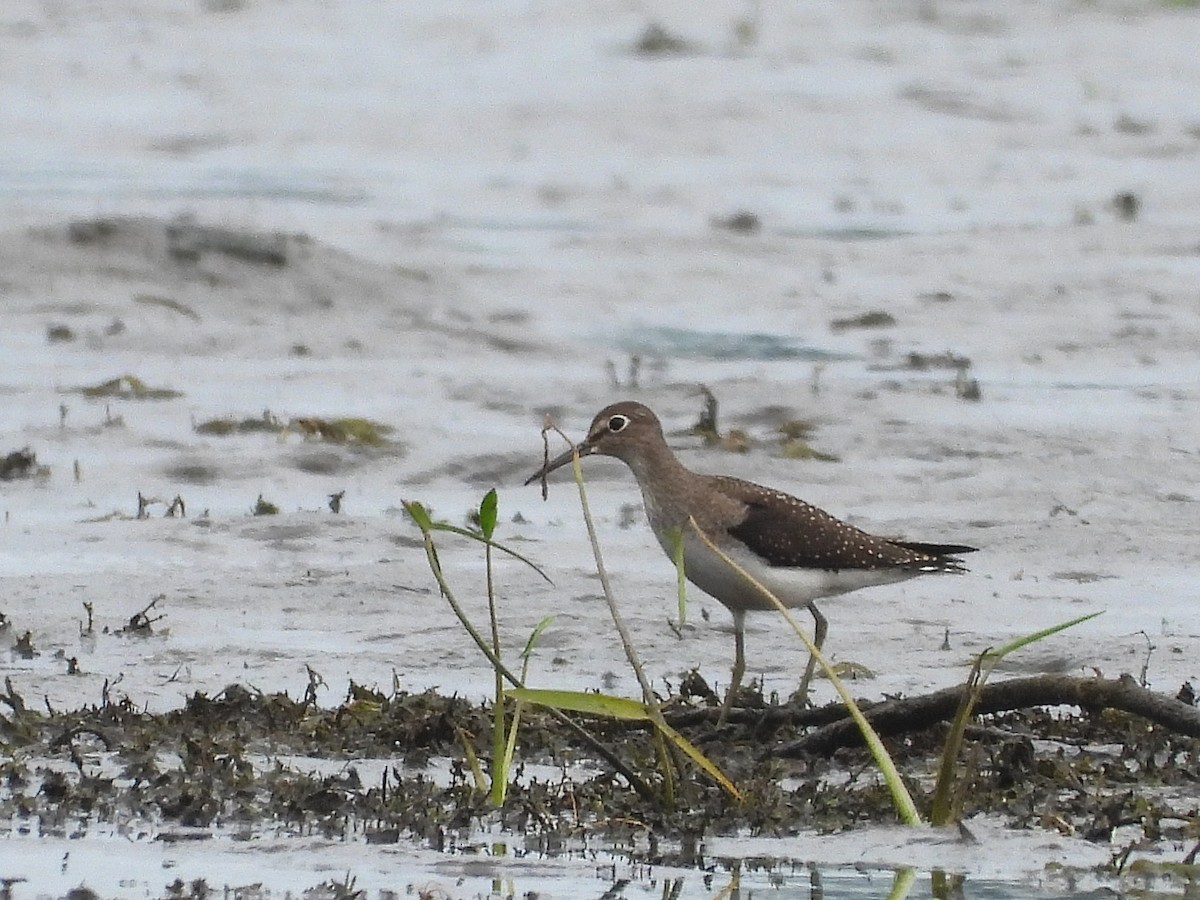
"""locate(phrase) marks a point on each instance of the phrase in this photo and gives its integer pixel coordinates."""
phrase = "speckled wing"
(787, 532)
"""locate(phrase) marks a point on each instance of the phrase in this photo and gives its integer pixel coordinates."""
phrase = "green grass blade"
(530, 644)
(511, 745)
(500, 751)
(472, 761)
(499, 770)
(584, 702)
(535, 634)
(527, 653)
(478, 536)
(1028, 639)
(418, 513)
(695, 755)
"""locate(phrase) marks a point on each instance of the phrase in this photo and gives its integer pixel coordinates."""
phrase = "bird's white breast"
(794, 587)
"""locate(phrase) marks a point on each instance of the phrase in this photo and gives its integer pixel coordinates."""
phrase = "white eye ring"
(618, 423)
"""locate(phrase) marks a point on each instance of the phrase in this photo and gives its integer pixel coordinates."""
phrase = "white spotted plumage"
(796, 550)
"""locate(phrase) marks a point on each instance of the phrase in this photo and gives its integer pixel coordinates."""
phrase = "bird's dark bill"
(557, 463)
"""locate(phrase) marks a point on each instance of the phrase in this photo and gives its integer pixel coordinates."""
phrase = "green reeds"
(503, 735)
(503, 738)
(943, 809)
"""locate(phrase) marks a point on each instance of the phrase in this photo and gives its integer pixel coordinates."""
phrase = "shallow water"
(503, 208)
(481, 866)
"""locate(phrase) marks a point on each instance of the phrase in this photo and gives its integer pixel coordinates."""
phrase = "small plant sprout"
(503, 740)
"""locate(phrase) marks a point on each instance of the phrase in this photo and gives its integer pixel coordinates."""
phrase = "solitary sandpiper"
(798, 552)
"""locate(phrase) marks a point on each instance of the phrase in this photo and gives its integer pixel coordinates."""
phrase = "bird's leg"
(820, 629)
(739, 664)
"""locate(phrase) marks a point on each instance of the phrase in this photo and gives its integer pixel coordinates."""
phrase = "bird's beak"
(583, 449)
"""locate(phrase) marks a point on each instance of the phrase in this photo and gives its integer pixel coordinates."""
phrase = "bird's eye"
(618, 423)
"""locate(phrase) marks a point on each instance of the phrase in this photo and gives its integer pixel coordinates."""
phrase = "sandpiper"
(797, 551)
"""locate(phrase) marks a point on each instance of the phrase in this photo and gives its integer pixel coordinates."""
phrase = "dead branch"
(914, 714)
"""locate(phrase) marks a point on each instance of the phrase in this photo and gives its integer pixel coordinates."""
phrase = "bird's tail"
(945, 554)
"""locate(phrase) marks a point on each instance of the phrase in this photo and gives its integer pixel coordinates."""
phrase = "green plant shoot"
(487, 527)
(424, 521)
(942, 808)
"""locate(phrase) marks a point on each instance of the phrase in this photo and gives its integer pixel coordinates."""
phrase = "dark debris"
(21, 464)
(1083, 775)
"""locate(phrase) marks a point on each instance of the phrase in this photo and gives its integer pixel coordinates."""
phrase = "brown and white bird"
(797, 551)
